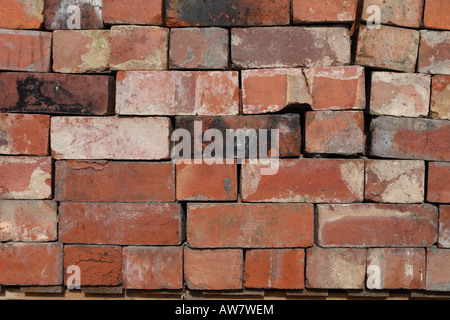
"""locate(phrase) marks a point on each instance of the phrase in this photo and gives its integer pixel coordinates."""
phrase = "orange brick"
(438, 182)
(148, 12)
(436, 14)
(406, 13)
(307, 11)
(440, 97)
(444, 226)
(21, 14)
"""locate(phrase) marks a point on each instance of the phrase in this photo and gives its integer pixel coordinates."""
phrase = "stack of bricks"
(91, 91)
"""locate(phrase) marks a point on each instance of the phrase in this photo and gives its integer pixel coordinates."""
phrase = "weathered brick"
(198, 48)
(288, 126)
(337, 88)
(400, 94)
(250, 225)
(395, 181)
(377, 225)
(61, 14)
(31, 264)
(177, 93)
(110, 138)
(275, 269)
(388, 48)
(23, 50)
(81, 51)
(444, 226)
(102, 181)
(99, 265)
(153, 268)
(398, 268)
(406, 13)
(335, 132)
(56, 93)
(138, 48)
(434, 53)
(24, 134)
(181, 13)
(440, 98)
(221, 269)
(438, 182)
(435, 16)
(335, 268)
(310, 11)
(205, 182)
(25, 177)
(21, 14)
(30, 221)
(271, 90)
(120, 223)
(147, 12)
(305, 180)
(411, 138)
(438, 273)
(290, 47)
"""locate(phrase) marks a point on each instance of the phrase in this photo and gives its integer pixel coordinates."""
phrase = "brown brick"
(310, 11)
(120, 223)
(148, 12)
(21, 14)
(58, 15)
(406, 13)
(434, 53)
(435, 16)
(438, 182)
(440, 98)
(438, 273)
(444, 226)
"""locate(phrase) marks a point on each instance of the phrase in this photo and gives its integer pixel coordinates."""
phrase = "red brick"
(24, 134)
(377, 225)
(81, 51)
(400, 94)
(205, 182)
(227, 13)
(438, 182)
(21, 14)
(335, 268)
(399, 268)
(337, 88)
(56, 93)
(139, 48)
(434, 53)
(438, 272)
(250, 225)
(99, 265)
(214, 269)
(395, 181)
(440, 98)
(444, 226)
(435, 16)
(30, 221)
(110, 138)
(335, 132)
(198, 48)
(275, 269)
(120, 223)
(410, 138)
(305, 180)
(178, 93)
(307, 11)
(406, 13)
(57, 15)
(153, 268)
(102, 181)
(15, 43)
(388, 48)
(271, 90)
(25, 178)
(148, 12)
(290, 47)
(31, 264)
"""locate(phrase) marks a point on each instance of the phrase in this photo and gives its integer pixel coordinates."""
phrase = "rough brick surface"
(148, 12)
(120, 223)
(36, 43)
(250, 225)
(435, 16)
(434, 53)
(353, 225)
(438, 178)
(289, 47)
(183, 93)
(438, 273)
(444, 226)
(22, 14)
(310, 11)
(405, 13)
(114, 181)
(62, 14)
(275, 269)
(153, 268)
(440, 97)
(214, 269)
(28, 221)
